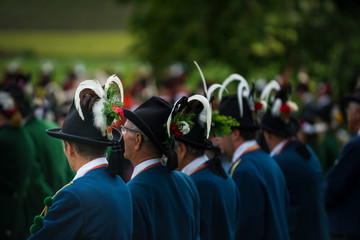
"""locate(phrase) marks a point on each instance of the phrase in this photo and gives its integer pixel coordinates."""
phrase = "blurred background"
(307, 40)
(48, 47)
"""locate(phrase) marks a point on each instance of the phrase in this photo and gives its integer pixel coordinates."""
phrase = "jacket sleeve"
(64, 218)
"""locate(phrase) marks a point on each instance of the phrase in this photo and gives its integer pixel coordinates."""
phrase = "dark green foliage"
(256, 38)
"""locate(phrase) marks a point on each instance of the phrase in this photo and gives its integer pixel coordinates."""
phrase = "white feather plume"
(243, 90)
(212, 89)
(293, 106)
(205, 103)
(90, 84)
(99, 116)
(115, 79)
(272, 85)
(6, 101)
(231, 78)
(276, 107)
(202, 77)
(168, 122)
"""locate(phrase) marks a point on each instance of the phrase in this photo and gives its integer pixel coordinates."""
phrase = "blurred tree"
(253, 37)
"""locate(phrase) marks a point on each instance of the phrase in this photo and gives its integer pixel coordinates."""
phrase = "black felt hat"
(352, 97)
(280, 127)
(279, 118)
(82, 131)
(196, 136)
(229, 106)
(150, 118)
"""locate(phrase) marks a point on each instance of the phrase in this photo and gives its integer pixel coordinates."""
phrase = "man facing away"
(301, 168)
(166, 202)
(95, 204)
(261, 183)
(220, 210)
(342, 192)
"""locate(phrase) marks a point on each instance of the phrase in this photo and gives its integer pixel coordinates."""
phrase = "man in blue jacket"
(166, 203)
(95, 204)
(301, 168)
(259, 179)
(342, 192)
(262, 186)
(220, 200)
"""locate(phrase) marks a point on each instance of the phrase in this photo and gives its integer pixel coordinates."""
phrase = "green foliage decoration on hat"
(222, 125)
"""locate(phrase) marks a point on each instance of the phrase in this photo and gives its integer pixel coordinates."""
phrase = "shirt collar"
(193, 165)
(242, 148)
(278, 148)
(144, 165)
(88, 166)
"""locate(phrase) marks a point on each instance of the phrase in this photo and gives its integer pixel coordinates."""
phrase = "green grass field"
(95, 49)
(66, 44)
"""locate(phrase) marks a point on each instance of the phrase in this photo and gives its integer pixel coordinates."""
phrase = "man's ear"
(139, 140)
(182, 150)
(68, 148)
(235, 134)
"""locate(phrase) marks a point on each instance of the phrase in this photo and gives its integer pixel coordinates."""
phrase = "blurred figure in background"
(342, 188)
(17, 170)
(261, 183)
(49, 152)
(301, 168)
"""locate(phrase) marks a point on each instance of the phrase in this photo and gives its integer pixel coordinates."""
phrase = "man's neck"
(139, 159)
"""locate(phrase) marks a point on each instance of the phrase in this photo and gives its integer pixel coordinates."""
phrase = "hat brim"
(276, 126)
(204, 145)
(350, 98)
(57, 133)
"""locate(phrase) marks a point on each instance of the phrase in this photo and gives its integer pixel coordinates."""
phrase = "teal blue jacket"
(264, 197)
(307, 216)
(166, 205)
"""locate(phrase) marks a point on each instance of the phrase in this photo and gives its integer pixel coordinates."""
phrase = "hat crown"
(229, 106)
(150, 118)
(83, 131)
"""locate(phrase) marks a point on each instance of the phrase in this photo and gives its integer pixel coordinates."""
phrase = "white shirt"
(85, 168)
(241, 149)
(197, 162)
(144, 165)
(278, 148)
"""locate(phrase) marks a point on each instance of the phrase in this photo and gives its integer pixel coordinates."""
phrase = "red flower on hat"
(258, 106)
(118, 110)
(285, 110)
(174, 129)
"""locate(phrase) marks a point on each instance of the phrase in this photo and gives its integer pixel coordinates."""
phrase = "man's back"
(220, 210)
(166, 205)
(307, 217)
(342, 194)
(263, 195)
(94, 200)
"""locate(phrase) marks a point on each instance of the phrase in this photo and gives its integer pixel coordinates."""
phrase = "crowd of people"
(147, 161)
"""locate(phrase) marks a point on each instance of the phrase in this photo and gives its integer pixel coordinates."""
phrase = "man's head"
(90, 120)
(138, 146)
(78, 153)
(187, 153)
(147, 132)
(229, 106)
(352, 102)
(353, 116)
